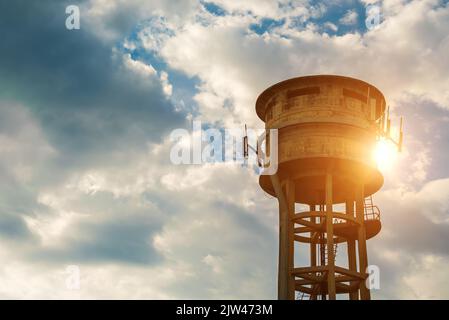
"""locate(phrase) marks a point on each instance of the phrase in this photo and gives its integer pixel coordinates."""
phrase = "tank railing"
(372, 212)
(374, 215)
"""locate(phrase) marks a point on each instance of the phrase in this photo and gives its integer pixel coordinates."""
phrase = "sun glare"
(385, 154)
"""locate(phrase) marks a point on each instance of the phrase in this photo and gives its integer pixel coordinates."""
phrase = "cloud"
(95, 103)
(350, 18)
(75, 105)
(24, 151)
(271, 9)
(240, 64)
(331, 26)
(13, 227)
(84, 125)
(219, 231)
(115, 19)
(411, 245)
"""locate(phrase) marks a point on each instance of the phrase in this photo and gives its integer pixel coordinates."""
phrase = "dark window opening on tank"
(355, 95)
(302, 92)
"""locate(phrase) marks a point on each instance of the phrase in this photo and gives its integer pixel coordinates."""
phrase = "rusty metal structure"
(327, 130)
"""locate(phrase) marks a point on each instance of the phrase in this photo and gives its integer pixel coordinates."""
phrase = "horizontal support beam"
(351, 273)
(303, 289)
(313, 225)
(323, 241)
(309, 214)
(313, 277)
(322, 288)
(302, 270)
(303, 229)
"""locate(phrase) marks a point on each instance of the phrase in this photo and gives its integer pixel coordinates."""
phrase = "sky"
(86, 181)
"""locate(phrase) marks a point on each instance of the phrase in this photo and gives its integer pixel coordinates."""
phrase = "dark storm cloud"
(13, 227)
(19, 199)
(412, 231)
(121, 232)
(409, 222)
(93, 112)
(245, 220)
(75, 86)
(122, 240)
(258, 234)
(427, 122)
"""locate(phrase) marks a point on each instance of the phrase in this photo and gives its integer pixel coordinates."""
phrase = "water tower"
(327, 129)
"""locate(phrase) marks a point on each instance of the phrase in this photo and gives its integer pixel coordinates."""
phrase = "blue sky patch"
(214, 8)
(265, 25)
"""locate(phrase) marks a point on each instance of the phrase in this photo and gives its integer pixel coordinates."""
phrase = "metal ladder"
(372, 212)
(324, 257)
(325, 254)
(302, 296)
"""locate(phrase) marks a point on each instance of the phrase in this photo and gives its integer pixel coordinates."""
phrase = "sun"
(385, 154)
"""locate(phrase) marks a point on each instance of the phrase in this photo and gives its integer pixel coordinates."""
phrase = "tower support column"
(312, 208)
(330, 239)
(283, 248)
(291, 192)
(361, 240)
(285, 193)
(352, 262)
